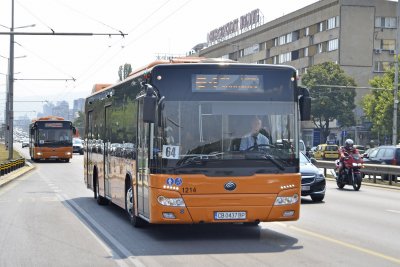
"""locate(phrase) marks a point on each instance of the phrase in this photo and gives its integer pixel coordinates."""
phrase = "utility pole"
(396, 78)
(11, 88)
(10, 98)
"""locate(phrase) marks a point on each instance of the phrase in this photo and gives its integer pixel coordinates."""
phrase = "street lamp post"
(11, 87)
(396, 79)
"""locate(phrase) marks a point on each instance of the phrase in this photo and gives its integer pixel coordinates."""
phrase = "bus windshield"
(230, 137)
(54, 133)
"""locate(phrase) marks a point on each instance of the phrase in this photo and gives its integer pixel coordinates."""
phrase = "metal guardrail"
(370, 169)
(11, 165)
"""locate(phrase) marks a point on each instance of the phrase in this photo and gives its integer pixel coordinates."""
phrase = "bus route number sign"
(170, 152)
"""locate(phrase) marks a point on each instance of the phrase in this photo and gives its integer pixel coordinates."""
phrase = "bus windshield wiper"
(266, 157)
(274, 161)
(191, 160)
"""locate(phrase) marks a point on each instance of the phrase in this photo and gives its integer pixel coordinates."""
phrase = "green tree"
(124, 71)
(330, 103)
(378, 105)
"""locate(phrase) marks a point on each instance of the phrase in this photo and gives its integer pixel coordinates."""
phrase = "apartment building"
(359, 35)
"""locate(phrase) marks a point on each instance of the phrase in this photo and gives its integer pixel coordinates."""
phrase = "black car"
(77, 145)
(389, 155)
(312, 179)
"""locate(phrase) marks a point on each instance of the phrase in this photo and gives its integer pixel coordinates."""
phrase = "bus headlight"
(280, 201)
(68, 153)
(174, 202)
(39, 153)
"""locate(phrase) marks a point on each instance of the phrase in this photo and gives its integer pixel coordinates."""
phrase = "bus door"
(143, 164)
(107, 144)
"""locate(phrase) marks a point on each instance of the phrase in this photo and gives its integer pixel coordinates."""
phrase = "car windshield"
(303, 159)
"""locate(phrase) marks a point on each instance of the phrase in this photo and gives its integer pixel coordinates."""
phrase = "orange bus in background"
(51, 138)
(166, 144)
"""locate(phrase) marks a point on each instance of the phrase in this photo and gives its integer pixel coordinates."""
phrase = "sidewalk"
(5, 179)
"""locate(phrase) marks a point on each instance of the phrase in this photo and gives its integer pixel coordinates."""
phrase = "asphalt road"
(49, 218)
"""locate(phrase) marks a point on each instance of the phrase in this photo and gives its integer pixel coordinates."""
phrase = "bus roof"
(48, 118)
(100, 86)
(178, 60)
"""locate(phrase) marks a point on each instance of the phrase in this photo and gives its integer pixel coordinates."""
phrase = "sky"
(153, 27)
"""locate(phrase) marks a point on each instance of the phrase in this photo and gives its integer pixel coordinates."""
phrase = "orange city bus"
(167, 143)
(50, 137)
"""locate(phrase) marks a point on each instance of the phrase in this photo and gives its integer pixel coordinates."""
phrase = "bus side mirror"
(73, 130)
(32, 131)
(305, 108)
(149, 108)
(304, 104)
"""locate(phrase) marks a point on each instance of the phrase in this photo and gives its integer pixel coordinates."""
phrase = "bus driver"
(254, 138)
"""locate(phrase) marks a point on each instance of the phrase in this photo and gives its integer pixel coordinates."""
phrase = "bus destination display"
(53, 125)
(226, 83)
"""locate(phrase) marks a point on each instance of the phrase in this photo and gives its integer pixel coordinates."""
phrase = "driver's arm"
(243, 144)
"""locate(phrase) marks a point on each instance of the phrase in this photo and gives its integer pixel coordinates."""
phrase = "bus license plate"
(230, 215)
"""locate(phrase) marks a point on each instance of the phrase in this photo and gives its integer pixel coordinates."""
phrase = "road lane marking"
(394, 211)
(93, 225)
(342, 243)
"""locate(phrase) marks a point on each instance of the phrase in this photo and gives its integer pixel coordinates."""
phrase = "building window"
(321, 26)
(304, 71)
(289, 38)
(388, 44)
(320, 48)
(382, 66)
(275, 60)
(225, 56)
(295, 35)
(295, 55)
(333, 44)
(251, 50)
(262, 61)
(262, 46)
(331, 23)
(306, 51)
(282, 40)
(385, 22)
(276, 42)
(285, 57)
(307, 31)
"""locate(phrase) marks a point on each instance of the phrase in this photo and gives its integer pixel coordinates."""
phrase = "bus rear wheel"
(130, 209)
(102, 201)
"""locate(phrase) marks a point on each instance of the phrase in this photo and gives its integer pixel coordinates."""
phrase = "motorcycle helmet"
(348, 144)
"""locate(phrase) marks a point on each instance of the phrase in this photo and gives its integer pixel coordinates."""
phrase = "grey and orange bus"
(165, 144)
(50, 138)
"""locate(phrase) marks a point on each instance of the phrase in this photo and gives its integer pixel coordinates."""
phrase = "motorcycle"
(350, 174)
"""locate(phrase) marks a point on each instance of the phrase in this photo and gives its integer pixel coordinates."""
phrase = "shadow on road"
(180, 239)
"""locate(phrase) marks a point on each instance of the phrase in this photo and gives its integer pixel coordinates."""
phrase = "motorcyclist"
(344, 152)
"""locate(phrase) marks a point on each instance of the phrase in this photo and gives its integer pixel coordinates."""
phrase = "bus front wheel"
(130, 208)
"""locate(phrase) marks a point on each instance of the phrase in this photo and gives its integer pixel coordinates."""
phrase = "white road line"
(394, 211)
(126, 254)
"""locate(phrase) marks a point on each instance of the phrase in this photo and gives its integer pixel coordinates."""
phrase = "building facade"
(359, 35)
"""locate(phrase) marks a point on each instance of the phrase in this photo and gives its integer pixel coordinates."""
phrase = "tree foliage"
(124, 71)
(378, 105)
(330, 103)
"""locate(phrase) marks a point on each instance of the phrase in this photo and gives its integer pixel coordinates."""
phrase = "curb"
(16, 174)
